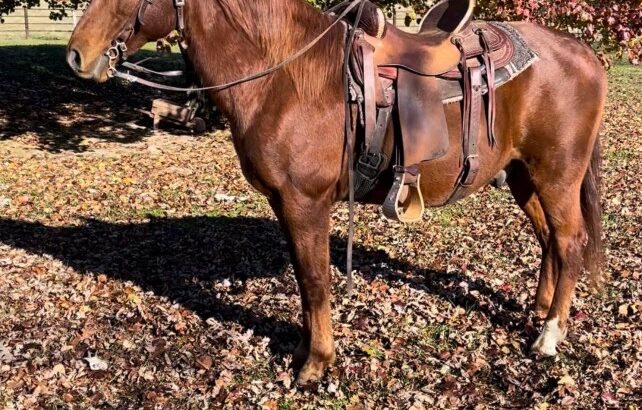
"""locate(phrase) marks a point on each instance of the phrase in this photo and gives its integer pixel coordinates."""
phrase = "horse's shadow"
(180, 258)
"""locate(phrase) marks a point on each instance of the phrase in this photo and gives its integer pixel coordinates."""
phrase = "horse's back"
(565, 92)
(552, 107)
(562, 50)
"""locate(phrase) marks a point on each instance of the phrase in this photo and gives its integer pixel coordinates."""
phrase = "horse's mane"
(279, 28)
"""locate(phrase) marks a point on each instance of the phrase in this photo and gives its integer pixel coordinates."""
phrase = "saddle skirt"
(513, 60)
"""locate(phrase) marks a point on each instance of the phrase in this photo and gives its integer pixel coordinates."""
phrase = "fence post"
(73, 16)
(26, 21)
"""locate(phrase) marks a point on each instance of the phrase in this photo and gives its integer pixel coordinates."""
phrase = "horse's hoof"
(543, 347)
(312, 372)
(546, 343)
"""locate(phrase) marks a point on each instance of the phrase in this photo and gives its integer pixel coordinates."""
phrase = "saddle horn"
(373, 20)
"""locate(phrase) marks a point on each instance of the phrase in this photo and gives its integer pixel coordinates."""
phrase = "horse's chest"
(258, 163)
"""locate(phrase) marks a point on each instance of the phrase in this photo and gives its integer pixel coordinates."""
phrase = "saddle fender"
(421, 117)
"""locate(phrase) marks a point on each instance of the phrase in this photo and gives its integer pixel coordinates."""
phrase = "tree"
(612, 26)
(58, 7)
(604, 24)
(609, 25)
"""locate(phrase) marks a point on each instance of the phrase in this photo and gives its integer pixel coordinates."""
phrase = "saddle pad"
(523, 58)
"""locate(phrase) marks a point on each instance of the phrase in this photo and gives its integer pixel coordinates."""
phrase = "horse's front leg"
(306, 223)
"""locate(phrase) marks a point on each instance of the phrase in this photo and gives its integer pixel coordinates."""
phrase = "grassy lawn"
(31, 42)
(151, 254)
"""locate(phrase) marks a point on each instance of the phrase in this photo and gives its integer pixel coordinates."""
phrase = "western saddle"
(451, 59)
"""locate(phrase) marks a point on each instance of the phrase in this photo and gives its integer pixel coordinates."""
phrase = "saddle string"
(113, 71)
(490, 76)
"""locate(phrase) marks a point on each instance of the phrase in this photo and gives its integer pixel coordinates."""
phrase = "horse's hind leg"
(523, 191)
(568, 239)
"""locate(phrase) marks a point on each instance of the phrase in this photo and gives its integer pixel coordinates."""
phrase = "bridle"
(118, 50)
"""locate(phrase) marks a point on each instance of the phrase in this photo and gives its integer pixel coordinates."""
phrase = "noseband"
(118, 50)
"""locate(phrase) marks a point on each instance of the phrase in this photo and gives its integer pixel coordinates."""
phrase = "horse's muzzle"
(74, 59)
(96, 70)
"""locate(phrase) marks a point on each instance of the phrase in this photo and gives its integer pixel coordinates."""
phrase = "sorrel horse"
(287, 130)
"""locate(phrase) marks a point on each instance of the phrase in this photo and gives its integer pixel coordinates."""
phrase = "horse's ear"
(448, 17)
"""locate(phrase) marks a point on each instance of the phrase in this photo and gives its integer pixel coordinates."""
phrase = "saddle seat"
(433, 51)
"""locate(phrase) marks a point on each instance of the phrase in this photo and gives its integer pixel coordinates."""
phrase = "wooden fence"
(35, 22)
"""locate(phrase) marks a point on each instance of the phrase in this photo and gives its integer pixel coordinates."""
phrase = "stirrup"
(405, 203)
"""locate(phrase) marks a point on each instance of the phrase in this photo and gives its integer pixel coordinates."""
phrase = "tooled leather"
(502, 49)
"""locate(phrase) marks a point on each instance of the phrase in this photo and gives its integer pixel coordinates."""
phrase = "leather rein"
(118, 50)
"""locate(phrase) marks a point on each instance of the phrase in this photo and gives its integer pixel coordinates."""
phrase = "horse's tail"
(592, 213)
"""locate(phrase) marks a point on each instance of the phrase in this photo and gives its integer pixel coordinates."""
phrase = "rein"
(118, 51)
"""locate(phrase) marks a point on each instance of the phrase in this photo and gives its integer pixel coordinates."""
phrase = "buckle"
(179, 3)
(369, 164)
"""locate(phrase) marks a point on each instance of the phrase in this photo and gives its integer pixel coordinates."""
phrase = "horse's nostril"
(74, 59)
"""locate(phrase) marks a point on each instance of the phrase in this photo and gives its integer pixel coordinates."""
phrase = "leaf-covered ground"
(141, 270)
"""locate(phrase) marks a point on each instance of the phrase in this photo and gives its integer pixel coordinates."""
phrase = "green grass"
(8, 42)
(438, 336)
(622, 155)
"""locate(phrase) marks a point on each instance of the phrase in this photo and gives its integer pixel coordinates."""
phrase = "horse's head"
(116, 28)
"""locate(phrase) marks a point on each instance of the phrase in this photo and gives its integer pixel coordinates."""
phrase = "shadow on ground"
(179, 259)
(40, 98)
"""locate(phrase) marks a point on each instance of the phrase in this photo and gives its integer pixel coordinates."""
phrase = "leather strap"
(130, 27)
(471, 115)
(138, 67)
(142, 9)
(348, 132)
(489, 63)
(372, 160)
(471, 137)
(180, 22)
(369, 92)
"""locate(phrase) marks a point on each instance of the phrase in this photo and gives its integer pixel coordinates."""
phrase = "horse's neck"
(230, 39)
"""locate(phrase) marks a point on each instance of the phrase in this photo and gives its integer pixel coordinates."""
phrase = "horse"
(288, 133)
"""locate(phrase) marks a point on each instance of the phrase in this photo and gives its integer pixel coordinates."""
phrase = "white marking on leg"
(546, 343)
